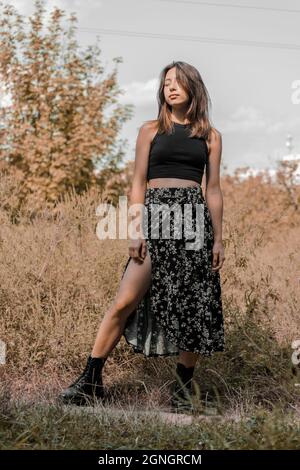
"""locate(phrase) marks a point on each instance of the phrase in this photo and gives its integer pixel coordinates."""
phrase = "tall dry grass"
(57, 279)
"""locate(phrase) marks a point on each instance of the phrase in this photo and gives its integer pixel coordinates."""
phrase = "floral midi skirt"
(182, 308)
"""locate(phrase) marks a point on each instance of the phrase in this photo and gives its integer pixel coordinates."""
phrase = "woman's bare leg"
(133, 286)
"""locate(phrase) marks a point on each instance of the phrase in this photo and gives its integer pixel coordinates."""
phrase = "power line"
(231, 5)
(176, 37)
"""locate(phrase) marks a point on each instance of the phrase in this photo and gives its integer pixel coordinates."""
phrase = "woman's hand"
(138, 249)
(218, 256)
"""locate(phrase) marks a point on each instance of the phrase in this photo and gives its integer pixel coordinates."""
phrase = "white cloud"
(245, 119)
(79, 3)
(140, 93)
(249, 119)
(292, 124)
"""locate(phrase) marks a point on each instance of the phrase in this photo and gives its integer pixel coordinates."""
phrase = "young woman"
(169, 298)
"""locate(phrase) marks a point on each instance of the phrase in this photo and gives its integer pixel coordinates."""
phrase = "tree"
(54, 134)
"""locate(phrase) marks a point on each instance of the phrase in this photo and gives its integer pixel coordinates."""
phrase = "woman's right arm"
(137, 247)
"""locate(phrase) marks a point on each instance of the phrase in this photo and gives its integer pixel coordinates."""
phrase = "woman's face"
(174, 94)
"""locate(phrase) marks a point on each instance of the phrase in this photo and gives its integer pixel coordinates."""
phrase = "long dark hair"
(191, 81)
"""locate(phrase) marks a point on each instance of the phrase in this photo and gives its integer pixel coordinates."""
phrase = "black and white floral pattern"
(182, 309)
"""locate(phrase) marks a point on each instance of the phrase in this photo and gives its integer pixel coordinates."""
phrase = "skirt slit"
(182, 308)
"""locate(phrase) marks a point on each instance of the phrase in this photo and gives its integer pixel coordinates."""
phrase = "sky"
(248, 55)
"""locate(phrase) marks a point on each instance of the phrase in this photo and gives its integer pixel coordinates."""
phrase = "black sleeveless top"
(177, 155)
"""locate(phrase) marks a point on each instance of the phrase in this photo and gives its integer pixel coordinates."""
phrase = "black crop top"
(177, 155)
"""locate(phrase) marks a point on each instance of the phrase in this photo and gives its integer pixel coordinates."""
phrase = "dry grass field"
(56, 281)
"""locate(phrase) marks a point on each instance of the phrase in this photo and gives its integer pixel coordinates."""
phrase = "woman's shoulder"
(149, 129)
(214, 134)
(214, 137)
(150, 125)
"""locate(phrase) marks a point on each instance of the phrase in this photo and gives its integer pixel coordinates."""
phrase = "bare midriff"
(170, 182)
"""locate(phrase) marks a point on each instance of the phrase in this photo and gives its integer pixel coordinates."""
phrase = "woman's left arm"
(214, 197)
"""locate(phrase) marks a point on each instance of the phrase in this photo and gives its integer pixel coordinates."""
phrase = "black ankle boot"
(88, 386)
(182, 391)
